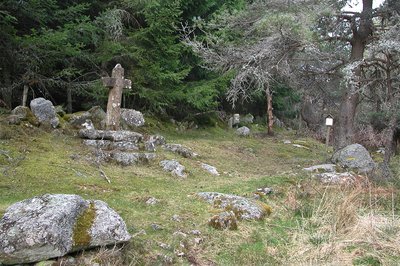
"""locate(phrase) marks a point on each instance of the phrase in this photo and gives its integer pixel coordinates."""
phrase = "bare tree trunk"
(269, 111)
(69, 100)
(6, 91)
(25, 95)
(344, 130)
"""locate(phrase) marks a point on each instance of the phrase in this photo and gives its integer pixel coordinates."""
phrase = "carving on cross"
(117, 83)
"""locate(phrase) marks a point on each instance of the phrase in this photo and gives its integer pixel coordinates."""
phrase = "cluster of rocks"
(233, 208)
(54, 225)
(42, 112)
(348, 162)
(122, 146)
(130, 148)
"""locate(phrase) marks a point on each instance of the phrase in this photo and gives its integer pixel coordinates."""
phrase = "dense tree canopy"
(191, 57)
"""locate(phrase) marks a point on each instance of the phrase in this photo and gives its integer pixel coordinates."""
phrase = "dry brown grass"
(346, 226)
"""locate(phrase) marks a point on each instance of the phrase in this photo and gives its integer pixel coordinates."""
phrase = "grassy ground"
(310, 224)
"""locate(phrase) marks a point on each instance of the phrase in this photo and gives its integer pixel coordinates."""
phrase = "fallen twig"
(104, 175)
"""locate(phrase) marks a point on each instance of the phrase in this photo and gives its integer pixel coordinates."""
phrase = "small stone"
(164, 246)
(265, 190)
(287, 142)
(179, 253)
(156, 227)
(151, 201)
(209, 168)
(176, 218)
(179, 234)
(198, 240)
(195, 232)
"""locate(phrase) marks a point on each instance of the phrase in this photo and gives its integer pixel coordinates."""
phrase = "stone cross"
(117, 84)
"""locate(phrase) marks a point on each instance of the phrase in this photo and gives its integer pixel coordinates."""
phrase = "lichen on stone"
(81, 234)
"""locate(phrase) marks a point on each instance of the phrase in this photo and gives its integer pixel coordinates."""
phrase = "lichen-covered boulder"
(181, 150)
(45, 112)
(174, 167)
(119, 135)
(111, 145)
(131, 118)
(243, 131)
(53, 225)
(354, 157)
(130, 158)
(243, 208)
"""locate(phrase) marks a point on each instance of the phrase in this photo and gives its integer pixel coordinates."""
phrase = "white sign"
(329, 121)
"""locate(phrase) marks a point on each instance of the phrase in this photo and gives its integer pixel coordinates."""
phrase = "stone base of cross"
(117, 83)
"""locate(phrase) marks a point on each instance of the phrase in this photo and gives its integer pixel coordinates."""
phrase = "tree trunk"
(344, 129)
(69, 100)
(6, 91)
(269, 111)
(25, 95)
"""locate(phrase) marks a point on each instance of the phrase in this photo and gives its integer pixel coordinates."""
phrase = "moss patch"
(81, 234)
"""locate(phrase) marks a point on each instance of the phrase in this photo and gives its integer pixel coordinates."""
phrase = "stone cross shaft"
(117, 83)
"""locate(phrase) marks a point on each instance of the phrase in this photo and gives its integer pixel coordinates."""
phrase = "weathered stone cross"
(117, 84)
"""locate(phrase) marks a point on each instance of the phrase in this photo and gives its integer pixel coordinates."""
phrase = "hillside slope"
(308, 224)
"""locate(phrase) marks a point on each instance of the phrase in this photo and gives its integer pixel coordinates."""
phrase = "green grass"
(50, 162)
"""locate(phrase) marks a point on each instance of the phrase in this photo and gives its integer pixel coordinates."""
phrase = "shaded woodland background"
(296, 61)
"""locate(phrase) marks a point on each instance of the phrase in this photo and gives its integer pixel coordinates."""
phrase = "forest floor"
(311, 223)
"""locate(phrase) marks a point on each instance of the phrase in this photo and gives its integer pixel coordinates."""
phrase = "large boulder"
(45, 112)
(53, 225)
(354, 157)
(120, 135)
(131, 118)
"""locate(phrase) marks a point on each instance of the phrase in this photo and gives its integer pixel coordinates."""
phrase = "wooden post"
(328, 133)
(117, 84)
(25, 95)
(329, 124)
